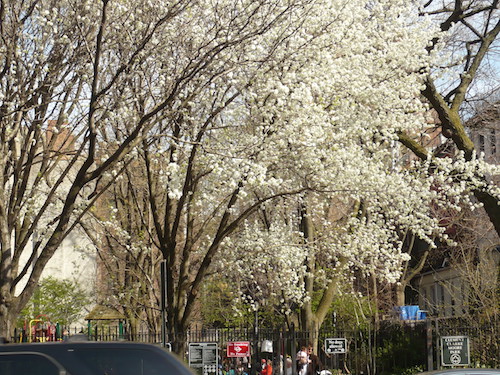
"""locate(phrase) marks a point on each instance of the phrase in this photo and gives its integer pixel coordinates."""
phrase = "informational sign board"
(266, 346)
(336, 346)
(455, 351)
(238, 349)
(203, 357)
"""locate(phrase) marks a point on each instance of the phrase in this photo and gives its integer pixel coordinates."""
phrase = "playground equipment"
(41, 329)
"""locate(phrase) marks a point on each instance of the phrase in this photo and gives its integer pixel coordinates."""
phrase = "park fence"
(394, 347)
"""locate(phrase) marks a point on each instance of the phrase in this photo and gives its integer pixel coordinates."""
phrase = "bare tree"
(476, 261)
(128, 263)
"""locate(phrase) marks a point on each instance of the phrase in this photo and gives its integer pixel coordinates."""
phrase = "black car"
(88, 358)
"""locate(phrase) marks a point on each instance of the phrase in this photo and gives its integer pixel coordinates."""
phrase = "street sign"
(335, 346)
(455, 351)
(238, 349)
(203, 357)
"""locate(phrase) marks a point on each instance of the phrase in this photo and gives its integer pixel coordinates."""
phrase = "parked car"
(464, 371)
(88, 358)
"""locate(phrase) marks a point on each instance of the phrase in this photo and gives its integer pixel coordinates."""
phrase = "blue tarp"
(411, 312)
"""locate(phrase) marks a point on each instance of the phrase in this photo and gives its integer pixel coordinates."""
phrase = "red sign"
(238, 349)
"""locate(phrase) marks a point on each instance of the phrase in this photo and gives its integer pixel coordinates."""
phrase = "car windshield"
(121, 361)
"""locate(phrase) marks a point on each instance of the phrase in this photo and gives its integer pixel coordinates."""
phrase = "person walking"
(267, 368)
(289, 365)
(303, 364)
(314, 361)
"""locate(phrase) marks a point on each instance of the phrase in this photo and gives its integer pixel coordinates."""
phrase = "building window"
(441, 298)
(493, 142)
(453, 295)
(424, 299)
(481, 142)
(433, 299)
(465, 300)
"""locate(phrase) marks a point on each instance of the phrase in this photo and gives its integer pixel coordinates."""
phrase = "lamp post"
(163, 302)
(256, 340)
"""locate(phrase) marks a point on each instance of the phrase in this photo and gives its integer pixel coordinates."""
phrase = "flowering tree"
(104, 72)
(466, 74)
(473, 173)
(233, 105)
(453, 89)
(301, 114)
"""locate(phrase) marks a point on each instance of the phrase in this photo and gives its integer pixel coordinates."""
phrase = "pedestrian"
(303, 348)
(314, 360)
(267, 368)
(303, 365)
(289, 364)
(261, 366)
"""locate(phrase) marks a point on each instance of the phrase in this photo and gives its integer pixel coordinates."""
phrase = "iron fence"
(483, 337)
(393, 347)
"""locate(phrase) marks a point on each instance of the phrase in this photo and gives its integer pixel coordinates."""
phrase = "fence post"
(282, 351)
(430, 354)
(163, 302)
(256, 354)
(293, 348)
(438, 345)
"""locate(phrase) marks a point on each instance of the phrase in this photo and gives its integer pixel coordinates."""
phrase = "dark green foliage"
(401, 349)
(62, 301)
(221, 308)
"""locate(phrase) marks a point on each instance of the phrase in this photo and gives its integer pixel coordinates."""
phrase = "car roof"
(464, 371)
(53, 348)
(62, 352)
(72, 344)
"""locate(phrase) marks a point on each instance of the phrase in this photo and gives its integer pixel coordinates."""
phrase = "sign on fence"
(238, 349)
(335, 346)
(455, 351)
(203, 357)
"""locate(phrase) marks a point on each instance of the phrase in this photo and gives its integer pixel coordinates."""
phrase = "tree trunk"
(310, 320)
(312, 327)
(376, 313)
(8, 316)
(400, 293)
(176, 333)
